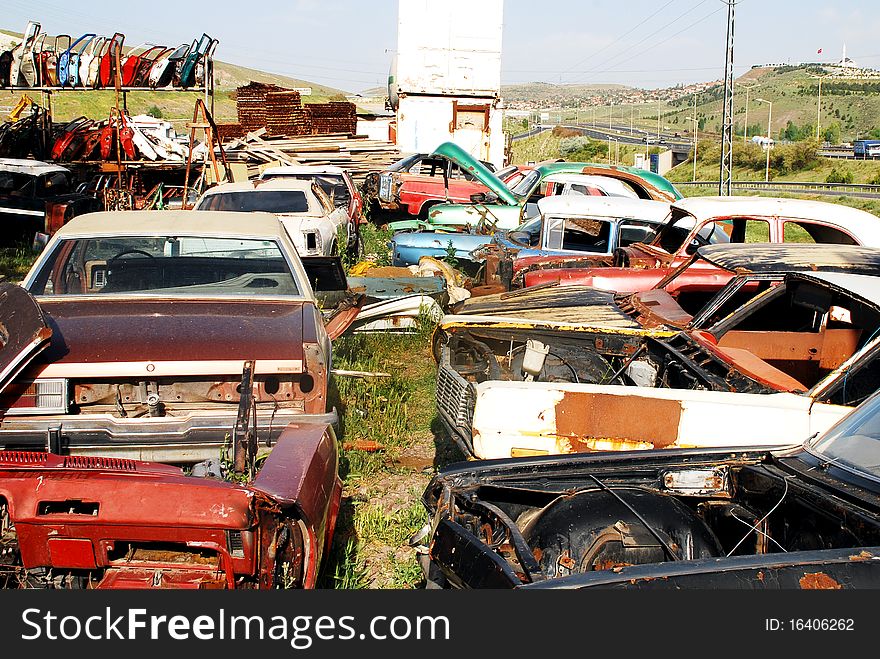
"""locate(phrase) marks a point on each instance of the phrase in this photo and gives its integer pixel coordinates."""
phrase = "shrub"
(155, 111)
(836, 176)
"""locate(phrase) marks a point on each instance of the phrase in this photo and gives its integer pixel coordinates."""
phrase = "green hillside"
(850, 104)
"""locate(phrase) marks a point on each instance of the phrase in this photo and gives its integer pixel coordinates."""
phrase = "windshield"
(527, 234)
(333, 184)
(271, 201)
(854, 442)
(529, 181)
(184, 266)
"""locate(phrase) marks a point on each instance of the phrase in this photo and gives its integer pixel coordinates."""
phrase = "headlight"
(385, 187)
(313, 241)
(36, 397)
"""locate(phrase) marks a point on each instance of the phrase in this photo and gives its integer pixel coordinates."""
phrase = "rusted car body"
(178, 337)
(415, 183)
(700, 221)
(813, 335)
(791, 518)
(567, 224)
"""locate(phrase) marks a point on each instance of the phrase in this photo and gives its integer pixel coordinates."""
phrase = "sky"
(348, 44)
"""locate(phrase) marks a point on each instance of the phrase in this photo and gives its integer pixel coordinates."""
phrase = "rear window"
(175, 266)
(270, 201)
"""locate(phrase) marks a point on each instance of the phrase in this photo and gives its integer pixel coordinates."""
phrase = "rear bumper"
(185, 439)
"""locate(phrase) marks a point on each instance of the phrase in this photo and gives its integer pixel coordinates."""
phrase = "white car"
(313, 223)
(338, 185)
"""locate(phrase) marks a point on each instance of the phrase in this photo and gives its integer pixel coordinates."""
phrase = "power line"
(602, 64)
(607, 46)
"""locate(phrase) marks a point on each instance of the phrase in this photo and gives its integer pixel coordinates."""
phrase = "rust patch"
(566, 561)
(862, 556)
(538, 554)
(582, 418)
(610, 565)
(818, 581)
(760, 576)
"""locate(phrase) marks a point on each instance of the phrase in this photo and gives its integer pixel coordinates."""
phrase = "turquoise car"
(504, 208)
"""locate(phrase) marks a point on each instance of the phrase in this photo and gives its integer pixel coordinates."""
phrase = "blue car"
(564, 225)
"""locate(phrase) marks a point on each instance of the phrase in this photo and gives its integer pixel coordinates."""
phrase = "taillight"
(47, 396)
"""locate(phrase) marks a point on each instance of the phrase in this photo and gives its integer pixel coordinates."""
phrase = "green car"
(503, 208)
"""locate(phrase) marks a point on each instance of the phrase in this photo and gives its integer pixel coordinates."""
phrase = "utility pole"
(610, 114)
(631, 112)
(658, 120)
(819, 107)
(726, 169)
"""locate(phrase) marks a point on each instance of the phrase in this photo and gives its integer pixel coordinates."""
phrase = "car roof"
(258, 185)
(804, 209)
(866, 287)
(604, 206)
(259, 225)
(767, 257)
(27, 166)
(301, 169)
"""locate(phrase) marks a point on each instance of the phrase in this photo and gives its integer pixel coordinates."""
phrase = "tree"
(832, 134)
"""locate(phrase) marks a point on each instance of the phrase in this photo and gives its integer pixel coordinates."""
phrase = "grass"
(393, 417)
(16, 261)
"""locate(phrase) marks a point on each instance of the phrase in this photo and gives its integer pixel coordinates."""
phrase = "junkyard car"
(504, 208)
(313, 222)
(814, 336)
(567, 224)
(335, 181)
(801, 517)
(413, 184)
(37, 198)
(186, 338)
(707, 220)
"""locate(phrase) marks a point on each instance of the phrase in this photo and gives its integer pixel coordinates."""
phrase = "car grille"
(456, 398)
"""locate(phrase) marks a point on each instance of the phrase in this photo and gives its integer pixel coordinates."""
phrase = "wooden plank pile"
(333, 117)
(285, 114)
(250, 101)
(355, 153)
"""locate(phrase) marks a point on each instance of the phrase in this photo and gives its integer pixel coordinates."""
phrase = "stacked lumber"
(355, 153)
(285, 114)
(333, 117)
(230, 131)
(250, 101)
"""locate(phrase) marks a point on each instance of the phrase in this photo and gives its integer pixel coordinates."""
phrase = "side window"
(632, 231)
(812, 232)
(554, 227)
(738, 230)
(584, 235)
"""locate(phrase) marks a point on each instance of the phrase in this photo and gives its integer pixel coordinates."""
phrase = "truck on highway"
(866, 148)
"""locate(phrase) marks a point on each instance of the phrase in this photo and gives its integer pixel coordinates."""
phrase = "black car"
(36, 199)
(803, 517)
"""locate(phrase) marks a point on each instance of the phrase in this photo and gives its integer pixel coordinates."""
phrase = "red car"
(164, 407)
(415, 183)
(701, 221)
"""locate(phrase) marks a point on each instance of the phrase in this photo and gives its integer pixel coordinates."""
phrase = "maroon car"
(165, 418)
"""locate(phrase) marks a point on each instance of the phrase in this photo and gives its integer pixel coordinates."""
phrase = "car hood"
(470, 164)
(138, 331)
(577, 306)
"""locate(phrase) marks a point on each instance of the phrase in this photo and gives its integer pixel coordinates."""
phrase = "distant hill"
(853, 104)
(549, 93)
